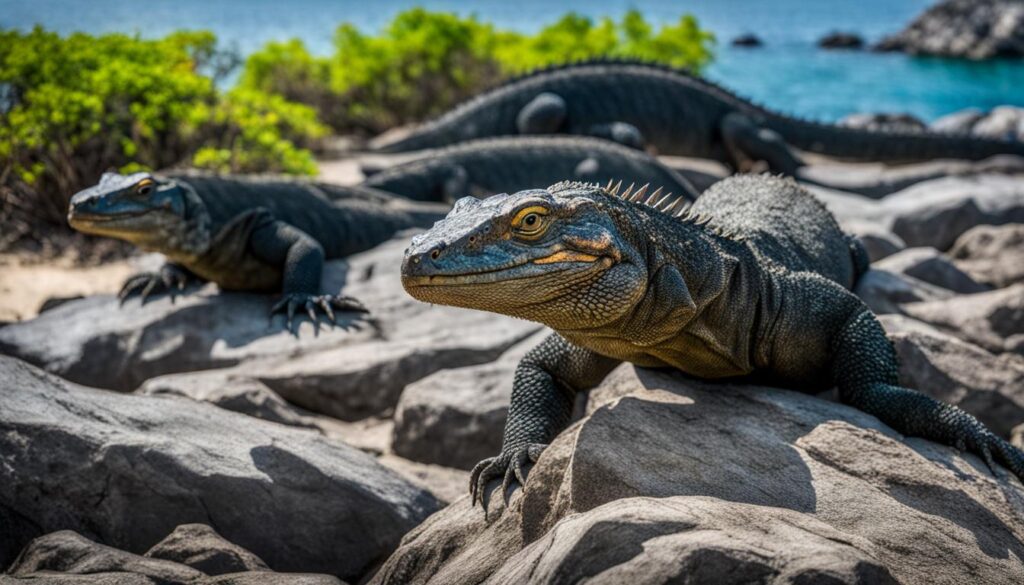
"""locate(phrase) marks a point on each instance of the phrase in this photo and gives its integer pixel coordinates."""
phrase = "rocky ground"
(196, 441)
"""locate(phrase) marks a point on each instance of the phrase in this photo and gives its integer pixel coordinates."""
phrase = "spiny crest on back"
(675, 206)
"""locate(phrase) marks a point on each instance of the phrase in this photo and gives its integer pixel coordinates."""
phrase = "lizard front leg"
(865, 369)
(171, 278)
(748, 143)
(543, 393)
(302, 260)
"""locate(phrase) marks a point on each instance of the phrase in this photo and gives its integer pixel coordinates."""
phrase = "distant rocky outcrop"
(127, 470)
(969, 29)
(841, 40)
(747, 40)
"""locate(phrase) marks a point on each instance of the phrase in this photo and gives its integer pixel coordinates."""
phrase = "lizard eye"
(144, 188)
(531, 223)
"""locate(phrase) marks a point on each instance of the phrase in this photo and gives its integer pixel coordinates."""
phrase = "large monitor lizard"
(243, 234)
(752, 281)
(648, 105)
(511, 163)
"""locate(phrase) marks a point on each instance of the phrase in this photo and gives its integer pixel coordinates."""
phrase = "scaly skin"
(675, 113)
(243, 234)
(752, 281)
(511, 163)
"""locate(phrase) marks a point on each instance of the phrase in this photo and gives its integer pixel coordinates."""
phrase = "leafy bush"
(73, 107)
(424, 62)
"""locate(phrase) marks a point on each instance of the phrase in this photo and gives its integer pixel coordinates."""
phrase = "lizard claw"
(311, 304)
(976, 438)
(169, 278)
(508, 466)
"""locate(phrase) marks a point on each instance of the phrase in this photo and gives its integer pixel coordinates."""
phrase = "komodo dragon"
(751, 281)
(648, 105)
(511, 163)
(243, 234)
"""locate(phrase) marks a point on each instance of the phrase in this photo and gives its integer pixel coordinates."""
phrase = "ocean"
(789, 73)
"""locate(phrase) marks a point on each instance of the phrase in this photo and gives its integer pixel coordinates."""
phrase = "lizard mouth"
(557, 262)
(86, 217)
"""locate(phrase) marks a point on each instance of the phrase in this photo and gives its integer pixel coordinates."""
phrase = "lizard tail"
(861, 260)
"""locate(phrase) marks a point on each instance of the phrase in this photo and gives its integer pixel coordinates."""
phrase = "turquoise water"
(789, 73)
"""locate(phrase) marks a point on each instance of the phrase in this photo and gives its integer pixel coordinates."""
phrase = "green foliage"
(261, 132)
(424, 62)
(73, 107)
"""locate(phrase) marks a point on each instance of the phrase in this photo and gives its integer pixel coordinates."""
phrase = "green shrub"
(423, 63)
(73, 107)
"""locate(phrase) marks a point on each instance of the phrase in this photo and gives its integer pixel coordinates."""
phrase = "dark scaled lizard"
(243, 234)
(675, 113)
(512, 163)
(751, 282)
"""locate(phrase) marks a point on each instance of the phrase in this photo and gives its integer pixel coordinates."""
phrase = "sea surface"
(789, 73)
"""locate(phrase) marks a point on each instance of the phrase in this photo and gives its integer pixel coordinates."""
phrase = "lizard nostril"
(435, 254)
(472, 239)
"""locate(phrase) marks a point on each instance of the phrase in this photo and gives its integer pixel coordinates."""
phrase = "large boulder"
(988, 386)
(935, 213)
(692, 539)
(679, 470)
(931, 266)
(992, 254)
(68, 557)
(352, 371)
(125, 470)
(970, 29)
(993, 320)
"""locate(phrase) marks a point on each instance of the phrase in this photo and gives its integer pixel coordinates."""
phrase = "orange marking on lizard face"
(565, 256)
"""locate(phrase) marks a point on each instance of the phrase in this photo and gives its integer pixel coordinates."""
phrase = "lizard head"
(563, 256)
(140, 208)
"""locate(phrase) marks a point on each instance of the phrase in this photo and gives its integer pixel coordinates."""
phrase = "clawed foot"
(982, 442)
(328, 304)
(507, 465)
(170, 279)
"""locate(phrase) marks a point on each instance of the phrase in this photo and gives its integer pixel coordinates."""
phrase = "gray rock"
(200, 547)
(969, 29)
(993, 320)
(126, 470)
(68, 552)
(1002, 123)
(878, 241)
(900, 122)
(936, 213)
(747, 457)
(992, 254)
(228, 391)
(456, 417)
(988, 386)
(263, 578)
(747, 40)
(843, 40)
(885, 292)
(933, 267)
(692, 539)
(67, 557)
(349, 372)
(961, 122)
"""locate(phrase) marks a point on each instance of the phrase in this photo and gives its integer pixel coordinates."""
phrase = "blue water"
(789, 74)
